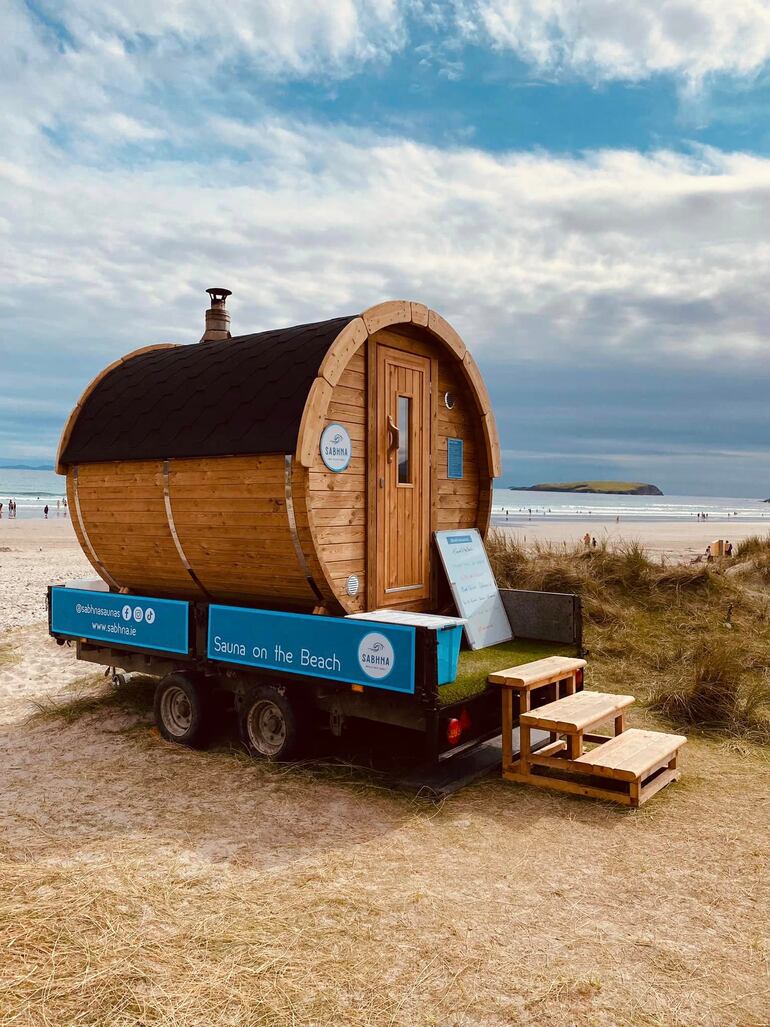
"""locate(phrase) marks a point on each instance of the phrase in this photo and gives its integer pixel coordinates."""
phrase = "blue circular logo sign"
(336, 447)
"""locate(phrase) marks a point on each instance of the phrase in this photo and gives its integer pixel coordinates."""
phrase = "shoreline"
(56, 548)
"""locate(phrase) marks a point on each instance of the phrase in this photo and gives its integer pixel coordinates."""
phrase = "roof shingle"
(245, 395)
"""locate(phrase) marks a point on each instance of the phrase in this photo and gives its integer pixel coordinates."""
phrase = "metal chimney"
(217, 317)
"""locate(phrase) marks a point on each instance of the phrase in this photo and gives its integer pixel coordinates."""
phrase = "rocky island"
(611, 488)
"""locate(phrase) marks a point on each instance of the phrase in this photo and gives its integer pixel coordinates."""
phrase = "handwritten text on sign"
(473, 587)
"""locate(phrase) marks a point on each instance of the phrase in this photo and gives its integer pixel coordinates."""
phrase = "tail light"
(457, 726)
(454, 730)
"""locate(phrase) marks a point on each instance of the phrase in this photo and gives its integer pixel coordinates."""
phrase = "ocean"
(32, 490)
(514, 507)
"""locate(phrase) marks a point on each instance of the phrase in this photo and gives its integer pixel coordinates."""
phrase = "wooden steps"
(579, 711)
(628, 768)
(633, 754)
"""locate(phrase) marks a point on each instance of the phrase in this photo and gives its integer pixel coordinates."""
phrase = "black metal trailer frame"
(545, 616)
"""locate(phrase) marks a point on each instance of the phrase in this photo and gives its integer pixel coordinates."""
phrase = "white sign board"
(473, 587)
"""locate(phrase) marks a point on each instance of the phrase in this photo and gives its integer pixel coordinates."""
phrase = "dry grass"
(715, 689)
(752, 546)
(94, 693)
(690, 641)
(144, 885)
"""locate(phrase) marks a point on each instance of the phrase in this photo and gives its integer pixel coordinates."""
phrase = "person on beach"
(728, 548)
(45, 511)
(594, 543)
(586, 540)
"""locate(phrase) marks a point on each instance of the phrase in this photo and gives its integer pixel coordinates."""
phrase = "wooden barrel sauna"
(302, 469)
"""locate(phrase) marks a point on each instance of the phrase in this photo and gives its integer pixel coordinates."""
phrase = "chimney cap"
(219, 294)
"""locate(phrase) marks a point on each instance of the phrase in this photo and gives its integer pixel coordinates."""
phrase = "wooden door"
(403, 433)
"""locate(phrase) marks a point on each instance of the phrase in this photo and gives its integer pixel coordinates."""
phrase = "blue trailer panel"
(147, 623)
(356, 652)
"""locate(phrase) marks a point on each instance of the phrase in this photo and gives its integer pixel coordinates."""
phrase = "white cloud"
(616, 257)
(300, 36)
(629, 40)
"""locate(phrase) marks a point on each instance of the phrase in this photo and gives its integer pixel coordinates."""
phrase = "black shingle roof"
(243, 395)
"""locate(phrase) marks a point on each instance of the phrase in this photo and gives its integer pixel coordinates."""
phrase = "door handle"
(394, 438)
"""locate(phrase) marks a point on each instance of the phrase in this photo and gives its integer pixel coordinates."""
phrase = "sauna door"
(403, 477)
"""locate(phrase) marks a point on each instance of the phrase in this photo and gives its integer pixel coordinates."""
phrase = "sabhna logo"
(375, 655)
(336, 447)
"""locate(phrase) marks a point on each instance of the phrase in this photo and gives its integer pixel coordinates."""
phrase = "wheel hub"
(176, 711)
(266, 727)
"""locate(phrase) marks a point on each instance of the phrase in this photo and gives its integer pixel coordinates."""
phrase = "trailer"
(246, 500)
(290, 676)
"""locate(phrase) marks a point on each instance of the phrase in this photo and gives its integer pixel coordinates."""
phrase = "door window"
(404, 440)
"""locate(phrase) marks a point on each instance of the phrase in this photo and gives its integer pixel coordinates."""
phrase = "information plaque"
(473, 587)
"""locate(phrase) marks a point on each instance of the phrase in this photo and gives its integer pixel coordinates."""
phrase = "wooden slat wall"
(230, 518)
(336, 503)
(458, 502)
(124, 515)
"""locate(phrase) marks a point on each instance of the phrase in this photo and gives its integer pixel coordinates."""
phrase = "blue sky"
(582, 188)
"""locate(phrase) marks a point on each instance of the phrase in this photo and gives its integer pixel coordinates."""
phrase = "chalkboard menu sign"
(473, 587)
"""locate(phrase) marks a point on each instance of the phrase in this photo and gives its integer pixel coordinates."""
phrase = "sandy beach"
(100, 849)
(676, 541)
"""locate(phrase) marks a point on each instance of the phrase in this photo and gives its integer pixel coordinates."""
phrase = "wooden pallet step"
(538, 672)
(577, 712)
(633, 755)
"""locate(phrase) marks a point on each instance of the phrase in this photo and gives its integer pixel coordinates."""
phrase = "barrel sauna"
(302, 469)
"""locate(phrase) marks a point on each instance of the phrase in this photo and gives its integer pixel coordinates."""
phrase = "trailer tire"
(182, 710)
(269, 725)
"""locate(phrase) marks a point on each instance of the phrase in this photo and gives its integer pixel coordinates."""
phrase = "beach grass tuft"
(754, 545)
(714, 689)
(94, 693)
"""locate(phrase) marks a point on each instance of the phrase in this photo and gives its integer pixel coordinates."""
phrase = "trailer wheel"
(268, 724)
(181, 710)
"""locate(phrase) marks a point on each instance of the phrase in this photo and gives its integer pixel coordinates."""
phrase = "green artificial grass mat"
(474, 667)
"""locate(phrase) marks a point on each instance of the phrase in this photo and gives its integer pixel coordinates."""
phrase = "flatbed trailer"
(288, 673)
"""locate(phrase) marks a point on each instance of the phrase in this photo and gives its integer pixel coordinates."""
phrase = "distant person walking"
(594, 543)
(587, 540)
(728, 548)
(45, 511)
